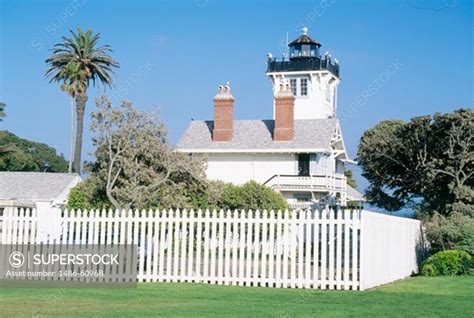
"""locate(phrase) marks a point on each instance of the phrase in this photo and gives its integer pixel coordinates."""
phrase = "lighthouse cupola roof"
(304, 46)
(304, 38)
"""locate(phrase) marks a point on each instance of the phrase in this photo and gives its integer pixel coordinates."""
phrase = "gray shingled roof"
(353, 194)
(33, 185)
(256, 135)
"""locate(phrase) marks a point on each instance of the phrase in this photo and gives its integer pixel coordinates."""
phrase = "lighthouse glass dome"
(304, 50)
(304, 46)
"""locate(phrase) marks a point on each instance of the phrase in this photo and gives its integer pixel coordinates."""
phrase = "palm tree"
(2, 111)
(70, 86)
(90, 63)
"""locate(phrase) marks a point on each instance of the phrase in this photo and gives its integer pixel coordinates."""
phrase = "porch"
(332, 184)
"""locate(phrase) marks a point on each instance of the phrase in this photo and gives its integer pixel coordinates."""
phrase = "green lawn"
(413, 297)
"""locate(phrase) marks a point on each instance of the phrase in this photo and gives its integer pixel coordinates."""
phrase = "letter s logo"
(16, 259)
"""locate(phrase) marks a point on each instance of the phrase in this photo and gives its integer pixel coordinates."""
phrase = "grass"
(412, 297)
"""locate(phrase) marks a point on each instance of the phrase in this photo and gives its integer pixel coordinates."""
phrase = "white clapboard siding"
(326, 248)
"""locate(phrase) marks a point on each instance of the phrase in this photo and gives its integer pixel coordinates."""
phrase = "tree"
(90, 63)
(426, 163)
(73, 86)
(134, 159)
(19, 154)
(350, 178)
(135, 167)
(2, 111)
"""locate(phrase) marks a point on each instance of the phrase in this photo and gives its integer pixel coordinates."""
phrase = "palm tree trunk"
(81, 100)
(71, 136)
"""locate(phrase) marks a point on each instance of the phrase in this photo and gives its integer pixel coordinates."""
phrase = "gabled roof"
(311, 135)
(40, 186)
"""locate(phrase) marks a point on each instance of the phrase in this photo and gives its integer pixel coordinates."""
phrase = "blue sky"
(398, 59)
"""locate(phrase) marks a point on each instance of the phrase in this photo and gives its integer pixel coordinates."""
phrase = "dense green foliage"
(250, 195)
(350, 178)
(447, 263)
(412, 297)
(426, 163)
(455, 231)
(17, 154)
(90, 193)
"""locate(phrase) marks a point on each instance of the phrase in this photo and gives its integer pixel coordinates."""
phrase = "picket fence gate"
(297, 249)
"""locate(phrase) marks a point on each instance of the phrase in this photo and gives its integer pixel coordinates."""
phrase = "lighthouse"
(312, 76)
(300, 152)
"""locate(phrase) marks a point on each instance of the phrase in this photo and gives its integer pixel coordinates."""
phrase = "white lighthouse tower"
(313, 78)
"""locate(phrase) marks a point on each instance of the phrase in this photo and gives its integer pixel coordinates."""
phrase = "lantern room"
(304, 47)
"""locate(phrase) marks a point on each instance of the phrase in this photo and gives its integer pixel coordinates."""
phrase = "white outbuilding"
(36, 189)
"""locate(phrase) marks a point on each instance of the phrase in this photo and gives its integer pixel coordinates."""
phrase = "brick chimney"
(284, 114)
(223, 115)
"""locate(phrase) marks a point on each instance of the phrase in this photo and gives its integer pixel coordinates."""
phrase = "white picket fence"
(326, 249)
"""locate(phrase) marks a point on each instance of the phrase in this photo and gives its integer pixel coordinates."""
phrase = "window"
(293, 86)
(304, 87)
(305, 50)
(303, 164)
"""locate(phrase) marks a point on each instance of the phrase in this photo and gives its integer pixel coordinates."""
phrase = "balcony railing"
(321, 183)
(303, 64)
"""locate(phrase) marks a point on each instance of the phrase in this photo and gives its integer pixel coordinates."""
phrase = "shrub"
(88, 194)
(428, 270)
(447, 263)
(228, 196)
(453, 232)
(251, 195)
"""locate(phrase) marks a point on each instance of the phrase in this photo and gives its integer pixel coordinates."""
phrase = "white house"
(46, 192)
(300, 152)
(36, 189)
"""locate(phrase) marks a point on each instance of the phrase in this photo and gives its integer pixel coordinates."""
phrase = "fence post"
(363, 250)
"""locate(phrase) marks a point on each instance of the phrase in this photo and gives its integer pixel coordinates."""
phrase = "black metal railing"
(304, 64)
